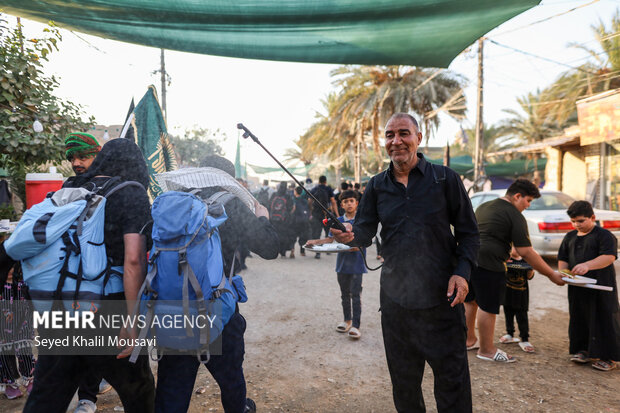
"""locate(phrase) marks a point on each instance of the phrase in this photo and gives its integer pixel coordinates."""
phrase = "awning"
(389, 32)
(539, 147)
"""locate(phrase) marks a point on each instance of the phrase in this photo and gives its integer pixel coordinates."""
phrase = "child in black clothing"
(516, 302)
(594, 326)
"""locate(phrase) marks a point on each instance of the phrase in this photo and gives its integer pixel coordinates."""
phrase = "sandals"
(499, 357)
(474, 346)
(527, 347)
(507, 339)
(581, 357)
(354, 333)
(602, 365)
(343, 327)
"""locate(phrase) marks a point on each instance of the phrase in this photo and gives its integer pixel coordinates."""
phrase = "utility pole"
(21, 35)
(479, 121)
(163, 87)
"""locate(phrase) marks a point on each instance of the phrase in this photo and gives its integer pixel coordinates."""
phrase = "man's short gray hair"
(405, 115)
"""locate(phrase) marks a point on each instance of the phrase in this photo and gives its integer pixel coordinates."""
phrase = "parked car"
(547, 220)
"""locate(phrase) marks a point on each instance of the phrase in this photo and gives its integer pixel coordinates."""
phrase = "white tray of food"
(331, 247)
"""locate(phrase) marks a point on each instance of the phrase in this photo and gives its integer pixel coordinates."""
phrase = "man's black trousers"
(56, 378)
(437, 336)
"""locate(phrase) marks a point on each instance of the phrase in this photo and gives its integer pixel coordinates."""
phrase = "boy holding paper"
(594, 326)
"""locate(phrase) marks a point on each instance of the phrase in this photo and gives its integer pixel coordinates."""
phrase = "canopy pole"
(163, 87)
(478, 168)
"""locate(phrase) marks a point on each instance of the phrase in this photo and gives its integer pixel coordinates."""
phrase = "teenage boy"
(593, 329)
(349, 268)
(501, 226)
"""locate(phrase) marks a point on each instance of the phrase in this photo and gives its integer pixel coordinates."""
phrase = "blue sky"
(277, 100)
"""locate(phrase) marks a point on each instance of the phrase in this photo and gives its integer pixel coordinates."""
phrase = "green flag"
(238, 167)
(152, 138)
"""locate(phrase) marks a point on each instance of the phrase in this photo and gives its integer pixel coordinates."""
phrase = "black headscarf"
(282, 188)
(118, 157)
(219, 162)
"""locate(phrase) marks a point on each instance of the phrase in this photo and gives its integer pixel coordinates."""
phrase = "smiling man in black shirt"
(425, 264)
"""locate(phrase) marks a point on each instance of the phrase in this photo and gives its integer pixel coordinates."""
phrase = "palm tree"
(533, 123)
(367, 96)
(588, 79)
(494, 138)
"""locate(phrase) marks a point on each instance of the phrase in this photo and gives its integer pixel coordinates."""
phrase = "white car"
(547, 221)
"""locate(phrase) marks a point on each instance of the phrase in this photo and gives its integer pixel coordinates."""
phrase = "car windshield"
(551, 201)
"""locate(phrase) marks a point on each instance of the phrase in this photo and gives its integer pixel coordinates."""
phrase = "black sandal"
(581, 357)
(604, 365)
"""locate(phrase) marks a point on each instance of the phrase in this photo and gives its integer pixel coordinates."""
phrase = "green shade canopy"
(389, 32)
(464, 165)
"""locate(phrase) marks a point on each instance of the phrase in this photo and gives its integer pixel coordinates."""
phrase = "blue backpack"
(60, 242)
(186, 274)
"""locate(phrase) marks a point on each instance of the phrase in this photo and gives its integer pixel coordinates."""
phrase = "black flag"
(130, 134)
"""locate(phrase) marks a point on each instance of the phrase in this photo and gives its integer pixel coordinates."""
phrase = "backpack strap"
(121, 186)
(190, 277)
(146, 288)
(222, 197)
(437, 177)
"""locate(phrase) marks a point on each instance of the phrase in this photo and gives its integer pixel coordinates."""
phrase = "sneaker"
(318, 256)
(85, 406)
(12, 391)
(250, 406)
(104, 387)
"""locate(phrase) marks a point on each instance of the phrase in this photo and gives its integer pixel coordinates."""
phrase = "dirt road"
(297, 362)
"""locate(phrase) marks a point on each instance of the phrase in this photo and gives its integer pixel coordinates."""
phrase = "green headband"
(82, 144)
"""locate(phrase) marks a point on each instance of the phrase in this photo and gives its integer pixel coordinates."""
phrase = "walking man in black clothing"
(426, 269)
(326, 196)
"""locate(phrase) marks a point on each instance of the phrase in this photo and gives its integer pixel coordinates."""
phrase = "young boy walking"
(349, 267)
(594, 326)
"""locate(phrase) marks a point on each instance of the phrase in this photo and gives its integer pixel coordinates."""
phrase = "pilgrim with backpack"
(217, 225)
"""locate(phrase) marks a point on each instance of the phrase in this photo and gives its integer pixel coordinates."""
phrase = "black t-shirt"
(500, 224)
(324, 194)
(577, 249)
(127, 211)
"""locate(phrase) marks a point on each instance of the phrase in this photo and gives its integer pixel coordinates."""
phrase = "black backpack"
(279, 209)
(322, 195)
(263, 197)
(302, 212)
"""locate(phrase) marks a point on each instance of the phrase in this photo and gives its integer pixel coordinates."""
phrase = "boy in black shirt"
(594, 326)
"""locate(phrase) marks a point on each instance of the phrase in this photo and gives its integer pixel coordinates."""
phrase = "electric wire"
(545, 19)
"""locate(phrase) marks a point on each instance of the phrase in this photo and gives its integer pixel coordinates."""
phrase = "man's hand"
(260, 210)
(461, 286)
(580, 269)
(123, 335)
(556, 278)
(343, 237)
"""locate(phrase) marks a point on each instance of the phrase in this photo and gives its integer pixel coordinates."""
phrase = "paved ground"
(297, 362)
